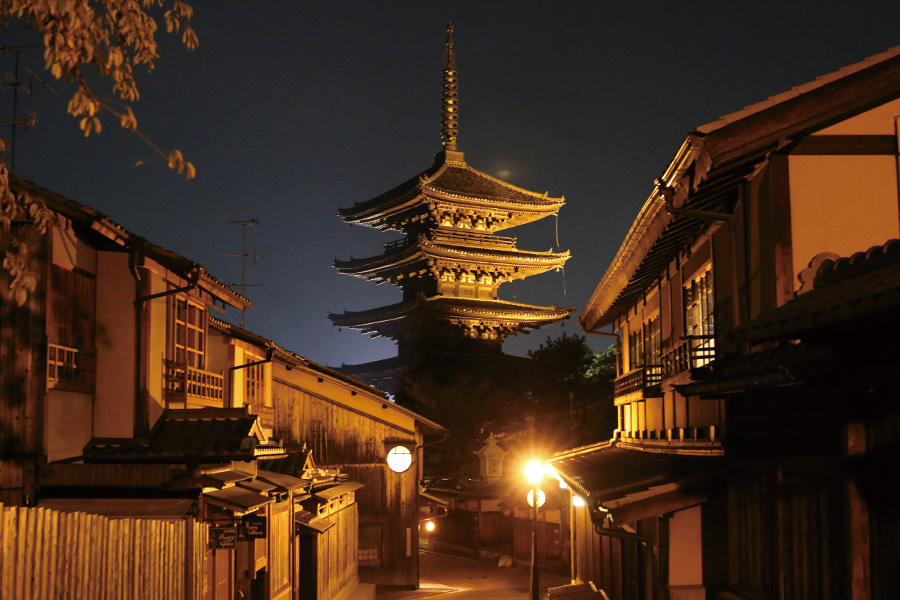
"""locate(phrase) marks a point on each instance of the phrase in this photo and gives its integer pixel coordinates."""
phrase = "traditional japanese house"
(105, 334)
(755, 299)
(449, 263)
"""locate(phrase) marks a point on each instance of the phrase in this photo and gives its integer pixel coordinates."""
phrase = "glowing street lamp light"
(534, 473)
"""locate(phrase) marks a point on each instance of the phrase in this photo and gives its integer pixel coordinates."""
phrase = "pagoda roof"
(506, 318)
(451, 184)
(476, 251)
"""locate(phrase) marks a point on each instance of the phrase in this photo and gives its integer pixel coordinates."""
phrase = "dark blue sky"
(292, 109)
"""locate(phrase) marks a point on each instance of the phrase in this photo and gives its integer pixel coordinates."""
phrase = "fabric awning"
(310, 522)
(237, 499)
(337, 490)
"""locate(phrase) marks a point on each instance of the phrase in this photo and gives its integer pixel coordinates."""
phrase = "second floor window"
(254, 378)
(190, 333)
(70, 328)
(698, 317)
(644, 344)
(698, 304)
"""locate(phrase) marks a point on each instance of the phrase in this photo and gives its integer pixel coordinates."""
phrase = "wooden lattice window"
(70, 328)
(190, 333)
(254, 381)
(698, 316)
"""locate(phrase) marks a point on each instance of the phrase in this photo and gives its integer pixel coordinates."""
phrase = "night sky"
(290, 110)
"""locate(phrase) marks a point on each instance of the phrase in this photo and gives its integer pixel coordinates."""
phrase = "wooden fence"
(46, 554)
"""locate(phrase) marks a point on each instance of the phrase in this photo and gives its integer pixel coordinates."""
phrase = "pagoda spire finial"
(449, 99)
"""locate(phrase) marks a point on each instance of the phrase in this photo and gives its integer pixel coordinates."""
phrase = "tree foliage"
(82, 39)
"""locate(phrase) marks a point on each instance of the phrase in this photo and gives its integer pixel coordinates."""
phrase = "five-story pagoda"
(449, 264)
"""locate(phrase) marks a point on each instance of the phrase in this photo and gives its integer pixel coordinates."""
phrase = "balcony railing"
(265, 413)
(69, 368)
(187, 384)
(691, 352)
(645, 379)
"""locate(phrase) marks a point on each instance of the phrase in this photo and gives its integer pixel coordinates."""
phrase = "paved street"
(453, 578)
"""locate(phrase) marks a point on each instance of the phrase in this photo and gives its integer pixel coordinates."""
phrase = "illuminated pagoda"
(450, 263)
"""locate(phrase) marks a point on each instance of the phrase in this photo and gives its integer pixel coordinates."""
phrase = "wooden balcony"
(69, 368)
(644, 380)
(187, 384)
(692, 352)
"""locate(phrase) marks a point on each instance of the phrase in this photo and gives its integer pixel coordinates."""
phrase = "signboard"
(253, 527)
(222, 538)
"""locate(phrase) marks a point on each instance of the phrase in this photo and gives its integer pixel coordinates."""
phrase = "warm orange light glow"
(577, 501)
(534, 472)
(429, 526)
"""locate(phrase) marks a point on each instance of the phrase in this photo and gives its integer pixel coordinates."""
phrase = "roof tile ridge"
(799, 89)
(506, 184)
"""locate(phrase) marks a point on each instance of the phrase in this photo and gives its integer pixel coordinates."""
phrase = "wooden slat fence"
(46, 554)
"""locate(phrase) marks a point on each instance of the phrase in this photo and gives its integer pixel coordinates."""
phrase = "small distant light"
(577, 501)
(429, 526)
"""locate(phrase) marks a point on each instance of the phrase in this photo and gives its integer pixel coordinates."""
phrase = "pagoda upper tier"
(482, 319)
(451, 258)
(452, 194)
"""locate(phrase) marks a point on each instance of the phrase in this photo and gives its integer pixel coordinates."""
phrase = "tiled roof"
(613, 470)
(721, 155)
(462, 180)
(863, 285)
(202, 435)
(452, 182)
(511, 313)
(115, 233)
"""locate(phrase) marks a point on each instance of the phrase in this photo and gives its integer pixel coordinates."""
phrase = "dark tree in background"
(563, 386)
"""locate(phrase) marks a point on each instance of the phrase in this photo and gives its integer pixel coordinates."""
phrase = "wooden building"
(117, 382)
(449, 264)
(756, 301)
(355, 428)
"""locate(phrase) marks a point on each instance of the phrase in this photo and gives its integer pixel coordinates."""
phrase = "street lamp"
(534, 473)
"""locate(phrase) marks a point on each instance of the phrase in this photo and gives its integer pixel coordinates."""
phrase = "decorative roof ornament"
(449, 99)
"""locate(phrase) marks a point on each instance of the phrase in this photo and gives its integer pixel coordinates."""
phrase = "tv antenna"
(17, 84)
(244, 256)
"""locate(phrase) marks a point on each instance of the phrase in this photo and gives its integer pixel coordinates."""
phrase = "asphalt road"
(446, 577)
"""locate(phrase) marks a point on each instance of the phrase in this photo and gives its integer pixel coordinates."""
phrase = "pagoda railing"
(645, 379)
(691, 352)
(398, 244)
(189, 384)
(473, 237)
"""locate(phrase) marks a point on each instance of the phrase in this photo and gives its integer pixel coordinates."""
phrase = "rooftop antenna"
(12, 80)
(244, 256)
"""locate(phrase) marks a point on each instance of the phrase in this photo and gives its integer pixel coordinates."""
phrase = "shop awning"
(337, 490)
(286, 482)
(224, 478)
(311, 523)
(237, 499)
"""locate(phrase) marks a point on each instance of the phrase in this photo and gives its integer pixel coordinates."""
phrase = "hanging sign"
(222, 538)
(253, 527)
